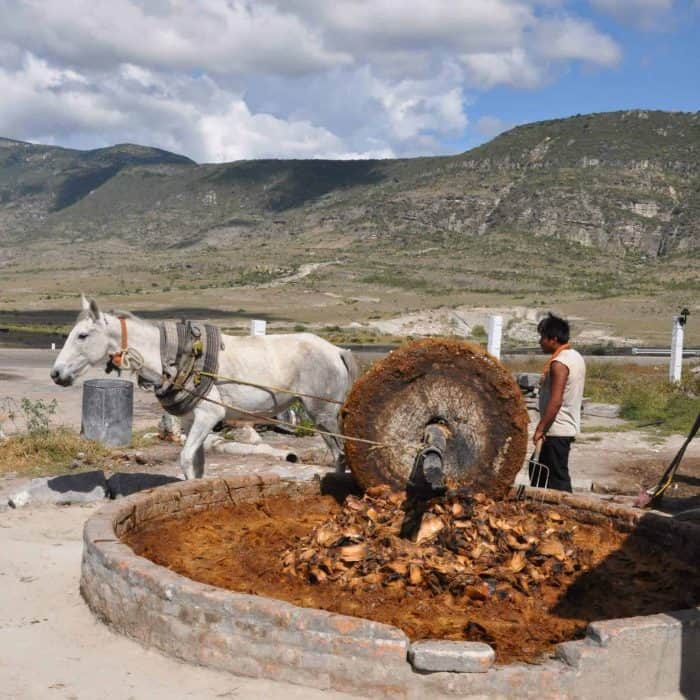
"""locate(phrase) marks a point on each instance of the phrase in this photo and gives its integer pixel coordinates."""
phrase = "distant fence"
(665, 352)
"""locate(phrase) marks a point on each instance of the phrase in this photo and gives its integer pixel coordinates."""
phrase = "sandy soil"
(52, 647)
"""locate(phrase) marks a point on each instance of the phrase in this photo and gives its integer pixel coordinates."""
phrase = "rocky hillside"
(622, 181)
(38, 183)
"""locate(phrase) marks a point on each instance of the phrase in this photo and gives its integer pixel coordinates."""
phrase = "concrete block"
(124, 484)
(245, 434)
(444, 655)
(657, 652)
(84, 487)
(528, 380)
(601, 410)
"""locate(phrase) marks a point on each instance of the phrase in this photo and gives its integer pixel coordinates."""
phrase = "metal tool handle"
(535, 457)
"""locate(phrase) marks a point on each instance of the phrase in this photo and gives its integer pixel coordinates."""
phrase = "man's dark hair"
(554, 327)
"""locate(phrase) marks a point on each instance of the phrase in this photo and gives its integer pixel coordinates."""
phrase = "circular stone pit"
(264, 637)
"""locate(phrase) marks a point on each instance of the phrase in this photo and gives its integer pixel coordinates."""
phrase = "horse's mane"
(128, 314)
(114, 312)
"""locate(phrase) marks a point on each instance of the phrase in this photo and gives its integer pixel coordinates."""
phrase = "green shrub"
(659, 402)
(37, 414)
(645, 395)
(478, 331)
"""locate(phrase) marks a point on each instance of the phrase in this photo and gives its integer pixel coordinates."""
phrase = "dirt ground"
(51, 646)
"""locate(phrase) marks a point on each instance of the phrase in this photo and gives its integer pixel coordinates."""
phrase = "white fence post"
(258, 326)
(495, 331)
(675, 367)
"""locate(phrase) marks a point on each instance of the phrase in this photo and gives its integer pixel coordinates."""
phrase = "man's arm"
(559, 372)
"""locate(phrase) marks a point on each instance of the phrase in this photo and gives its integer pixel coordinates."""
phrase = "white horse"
(302, 364)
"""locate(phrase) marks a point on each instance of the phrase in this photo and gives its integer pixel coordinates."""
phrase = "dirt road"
(25, 374)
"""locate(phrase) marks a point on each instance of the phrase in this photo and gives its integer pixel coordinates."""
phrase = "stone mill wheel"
(455, 384)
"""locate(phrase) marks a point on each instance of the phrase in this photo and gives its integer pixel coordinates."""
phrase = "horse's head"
(88, 344)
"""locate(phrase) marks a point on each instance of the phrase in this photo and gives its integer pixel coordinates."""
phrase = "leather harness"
(189, 351)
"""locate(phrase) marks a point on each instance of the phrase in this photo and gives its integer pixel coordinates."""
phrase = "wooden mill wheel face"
(446, 381)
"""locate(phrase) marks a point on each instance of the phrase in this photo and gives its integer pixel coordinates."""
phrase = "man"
(559, 403)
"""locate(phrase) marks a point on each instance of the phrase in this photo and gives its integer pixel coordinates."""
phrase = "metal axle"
(427, 477)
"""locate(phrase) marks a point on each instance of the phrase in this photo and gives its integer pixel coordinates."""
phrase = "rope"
(268, 387)
(133, 360)
(277, 421)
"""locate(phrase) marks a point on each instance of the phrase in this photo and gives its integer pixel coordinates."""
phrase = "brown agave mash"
(521, 576)
(470, 547)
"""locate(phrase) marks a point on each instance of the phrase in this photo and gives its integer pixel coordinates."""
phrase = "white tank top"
(568, 420)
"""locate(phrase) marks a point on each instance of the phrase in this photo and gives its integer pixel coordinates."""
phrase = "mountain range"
(623, 182)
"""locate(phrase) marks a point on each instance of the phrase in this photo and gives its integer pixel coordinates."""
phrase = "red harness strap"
(117, 356)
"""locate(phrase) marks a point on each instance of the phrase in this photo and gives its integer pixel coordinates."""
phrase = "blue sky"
(659, 69)
(231, 79)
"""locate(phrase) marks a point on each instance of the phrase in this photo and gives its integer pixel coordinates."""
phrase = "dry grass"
(48, 452)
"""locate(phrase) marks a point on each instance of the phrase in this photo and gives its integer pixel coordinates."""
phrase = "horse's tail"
(351, 366)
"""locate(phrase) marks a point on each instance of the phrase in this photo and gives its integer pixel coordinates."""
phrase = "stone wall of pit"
(262, 637)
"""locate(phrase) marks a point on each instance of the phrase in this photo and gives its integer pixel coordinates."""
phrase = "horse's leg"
(204, 417)
(198, 462)
(325, 417)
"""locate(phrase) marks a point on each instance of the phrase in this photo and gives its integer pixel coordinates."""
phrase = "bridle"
(131, 360)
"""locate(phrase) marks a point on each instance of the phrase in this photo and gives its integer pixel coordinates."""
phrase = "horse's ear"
(94, 310)
(85, 304)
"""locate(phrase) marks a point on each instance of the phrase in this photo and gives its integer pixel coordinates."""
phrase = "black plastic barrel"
(108, 408)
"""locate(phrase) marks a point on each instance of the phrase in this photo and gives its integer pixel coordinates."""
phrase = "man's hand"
(538, 436)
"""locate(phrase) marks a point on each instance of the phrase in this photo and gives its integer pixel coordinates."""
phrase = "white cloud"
(213, 35)
(515, 68)
(191, 115)
(236, 134)
(477, 25)
(552, 42)
(569, 39)
(639, 13)
(417, 106)
(225, 79)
